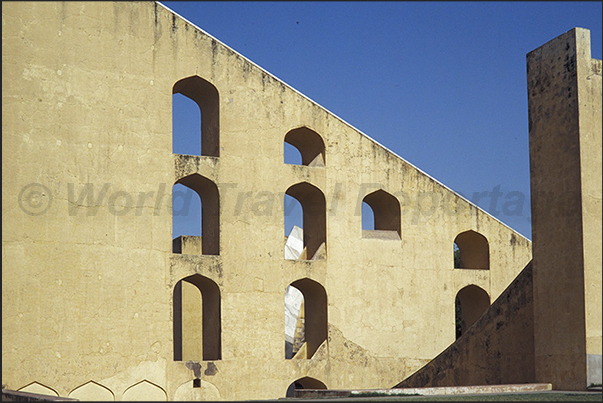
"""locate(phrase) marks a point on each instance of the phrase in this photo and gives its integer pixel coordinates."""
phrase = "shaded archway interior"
(315, 314)
(210, 214)
(304, 383)
(313, 205)
(197, 319)
(309, 144)
(474, 252)
(386, 211)
(470, 303)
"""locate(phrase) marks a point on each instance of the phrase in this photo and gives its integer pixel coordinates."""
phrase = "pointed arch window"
(471, 251)
(385, 210)
(470, 303)
(205, 222)
(195, 131)
(311, 319)
(197, 319)
(313, 234)
(310, 147)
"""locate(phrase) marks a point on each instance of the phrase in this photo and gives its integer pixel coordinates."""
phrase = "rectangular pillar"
(564, 102)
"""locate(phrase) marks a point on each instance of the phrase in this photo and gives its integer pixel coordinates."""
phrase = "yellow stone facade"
(96, 305)
(564, 101)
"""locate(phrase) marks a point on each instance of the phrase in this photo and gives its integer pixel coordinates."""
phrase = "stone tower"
(564, 97)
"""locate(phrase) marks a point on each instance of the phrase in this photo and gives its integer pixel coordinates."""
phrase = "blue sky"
(441, 84)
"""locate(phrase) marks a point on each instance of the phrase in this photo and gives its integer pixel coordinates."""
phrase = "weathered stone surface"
(89, 277)
(564, 100)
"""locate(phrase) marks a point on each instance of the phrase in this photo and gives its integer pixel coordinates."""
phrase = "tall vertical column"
(564, 102)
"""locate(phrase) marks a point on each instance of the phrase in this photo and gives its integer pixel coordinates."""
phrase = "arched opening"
(197, 319)
(201, 216)
(310, 145)
(385, 209)
(313, 229)
(470, 303)
(306, 307)
(304, 383)
(473, 251)
(203, 139)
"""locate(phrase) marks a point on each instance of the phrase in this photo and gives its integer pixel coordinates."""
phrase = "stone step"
(441, 390)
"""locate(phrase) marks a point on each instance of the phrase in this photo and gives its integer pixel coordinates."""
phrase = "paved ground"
(557, 396)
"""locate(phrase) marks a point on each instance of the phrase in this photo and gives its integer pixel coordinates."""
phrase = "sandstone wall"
(89, 277)
(564, 94)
